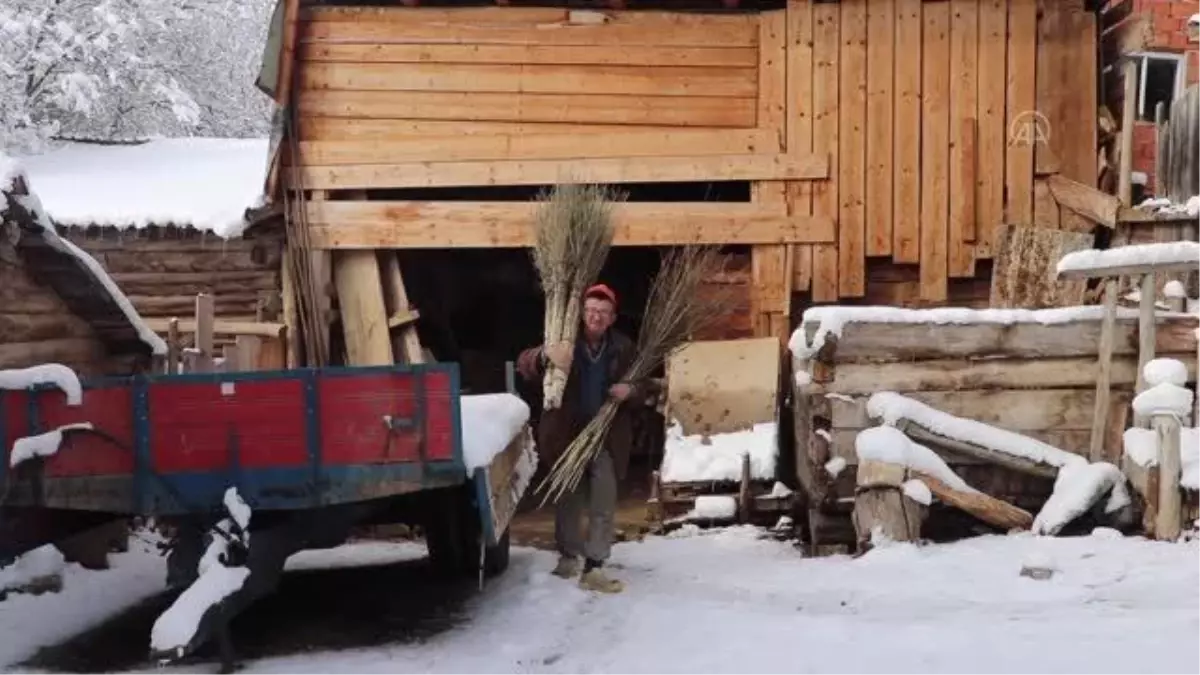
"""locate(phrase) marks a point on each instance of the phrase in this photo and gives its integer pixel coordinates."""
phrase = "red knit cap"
(603, 292)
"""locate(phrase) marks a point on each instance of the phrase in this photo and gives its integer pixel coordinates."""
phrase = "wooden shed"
(57, 304)
(169, 219)
(852, 152)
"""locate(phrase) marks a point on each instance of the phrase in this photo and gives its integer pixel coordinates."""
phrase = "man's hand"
(620, 391)
(559, 354)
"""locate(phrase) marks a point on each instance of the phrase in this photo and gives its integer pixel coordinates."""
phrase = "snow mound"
(47, 373)
(1163, 399)
(889, 445)
(1076, 488)
(1164, 253)
(42, 445)
(831, 320)
(489, 423)
(205, 183)
(43, 561)
(835, 466)
(917, 491)
(713, 507)
(1141, 446)
(1174, 289)
(718, 457)
(1171, 371)
(892, 408)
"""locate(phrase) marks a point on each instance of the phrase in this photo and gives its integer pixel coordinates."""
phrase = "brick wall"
(1169, 21)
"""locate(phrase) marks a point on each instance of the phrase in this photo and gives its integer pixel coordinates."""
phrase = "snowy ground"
(727, 601)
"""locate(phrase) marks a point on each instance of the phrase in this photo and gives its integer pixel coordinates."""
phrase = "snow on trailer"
(1005, 397)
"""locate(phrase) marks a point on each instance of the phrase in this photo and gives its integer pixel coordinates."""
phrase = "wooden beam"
(548, 172)
(1104, 378)
(987, 455)
(1128, 112)
(465, 147)
(906, 201)
(364, 318)
(1128, 270)
(220, 326)
(531, 54)
(1086, 201)
(986, 508)
(383, 224)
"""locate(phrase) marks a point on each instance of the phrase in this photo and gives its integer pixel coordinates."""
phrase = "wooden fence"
(1178, 157)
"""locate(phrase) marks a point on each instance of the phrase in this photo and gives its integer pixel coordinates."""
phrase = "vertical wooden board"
(964, 75)
(1084, 102)
(1051, 98)
(991, 129)
(1045, 208)
(798, 121)
(1021, 123)
(935, 150)
(881, 56)
(906, 211)
(852, 151)
(964, 209)
(826, 28)
(772, 72)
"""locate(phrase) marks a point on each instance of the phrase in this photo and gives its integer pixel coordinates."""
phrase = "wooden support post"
(205, 320)
(881, 505)
(1160, 175)
(744, 491)
(1167, 523)
(229, 360)
(172, 347)
(407, 344)
(291, 312)
(1146, 332)
(364, 316)
(1128, 113)
(1107, 332)
(249, 352)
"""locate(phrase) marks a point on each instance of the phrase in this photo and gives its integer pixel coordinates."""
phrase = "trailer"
(312, 453)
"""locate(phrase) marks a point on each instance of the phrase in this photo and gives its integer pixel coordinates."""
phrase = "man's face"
(598, 315)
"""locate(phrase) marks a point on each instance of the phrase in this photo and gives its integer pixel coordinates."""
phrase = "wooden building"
(849, 152)
(169, 219)
(55, 305)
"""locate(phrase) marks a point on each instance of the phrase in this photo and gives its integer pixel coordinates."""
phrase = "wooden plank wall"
(902, 132)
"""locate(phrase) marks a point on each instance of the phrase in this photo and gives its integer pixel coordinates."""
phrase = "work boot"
(567, 567)
(596, 580)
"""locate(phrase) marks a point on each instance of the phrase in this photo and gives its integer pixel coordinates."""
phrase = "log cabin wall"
(162, 269)
(884, 141)
(37, 327)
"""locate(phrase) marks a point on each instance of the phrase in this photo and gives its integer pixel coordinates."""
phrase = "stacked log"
(1033, 377)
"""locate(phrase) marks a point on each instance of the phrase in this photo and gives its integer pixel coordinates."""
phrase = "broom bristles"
(675, 311)
(573, 233)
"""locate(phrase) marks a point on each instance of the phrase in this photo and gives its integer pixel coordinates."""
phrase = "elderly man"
(596, 362)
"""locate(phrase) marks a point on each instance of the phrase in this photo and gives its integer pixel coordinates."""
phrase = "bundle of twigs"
(675, 311)
(573, 232)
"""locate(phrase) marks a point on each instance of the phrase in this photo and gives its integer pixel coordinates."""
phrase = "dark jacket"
(557, 428)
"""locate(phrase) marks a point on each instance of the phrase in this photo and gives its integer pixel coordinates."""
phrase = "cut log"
(880, 505)
(988, 509)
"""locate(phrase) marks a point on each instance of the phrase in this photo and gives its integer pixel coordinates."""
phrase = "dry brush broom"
(675, 311)
(573, 233)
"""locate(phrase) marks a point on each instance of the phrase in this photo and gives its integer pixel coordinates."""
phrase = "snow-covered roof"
(205, 183)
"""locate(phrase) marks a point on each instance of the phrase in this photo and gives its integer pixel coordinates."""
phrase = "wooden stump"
(880, 503)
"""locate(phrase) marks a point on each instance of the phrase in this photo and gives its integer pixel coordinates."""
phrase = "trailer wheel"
(452, 532)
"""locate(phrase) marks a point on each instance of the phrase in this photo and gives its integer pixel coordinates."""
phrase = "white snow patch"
(176, 627)
(1154, 203)
(47, 373)
(1141, 446)
(1162, 253)
(1163, 399)
(1139, 178)
(238, 509)
(713, 507)
(824, 433)
(917, 491)
(889, 445)
(1174, 289)
(205, 183)
(718, 457)
(1076, 488)
(42, 561)
(41, 445)
(835, 465)
(1158, 371)
(31, 202)
(356, 554)
(779, 491)
(489, 424)
(891, 408)
(803, 378)
(832, 319)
